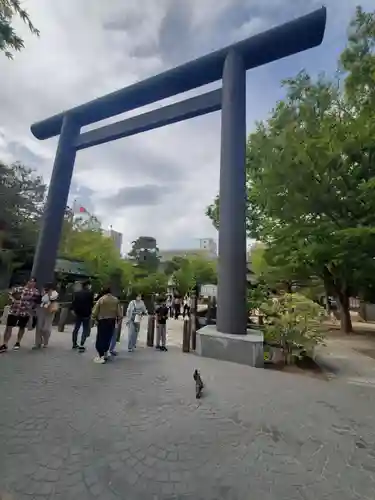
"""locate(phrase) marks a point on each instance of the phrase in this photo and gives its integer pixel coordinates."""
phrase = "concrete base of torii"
(242, 349)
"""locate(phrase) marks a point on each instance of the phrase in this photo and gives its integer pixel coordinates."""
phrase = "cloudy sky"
(159, 183)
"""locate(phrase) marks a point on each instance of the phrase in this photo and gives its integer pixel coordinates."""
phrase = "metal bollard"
(186, 335)
(150, 330)
(63, 318)
(193, 329)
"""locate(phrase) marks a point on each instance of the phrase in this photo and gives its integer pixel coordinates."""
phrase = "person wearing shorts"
(23, 302)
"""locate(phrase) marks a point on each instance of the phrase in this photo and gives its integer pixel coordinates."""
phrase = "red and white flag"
(79, 209)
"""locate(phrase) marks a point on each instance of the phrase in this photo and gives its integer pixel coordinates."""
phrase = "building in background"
(115, 236)
(208, 244)
(206, 248)
(80, 216)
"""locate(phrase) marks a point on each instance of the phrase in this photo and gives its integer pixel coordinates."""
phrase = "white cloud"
(87, 49)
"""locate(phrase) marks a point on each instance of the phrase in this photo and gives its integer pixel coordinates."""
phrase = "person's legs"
(39, 329)
(86, 326)
(109, 334)
(158, 336)
(22, 324)
(118, 331)
(47, 328)
(11, 322)
(112, 347)
(77, 326)
(163, 335)
(99, 339)
(131, 334)
(136, 332)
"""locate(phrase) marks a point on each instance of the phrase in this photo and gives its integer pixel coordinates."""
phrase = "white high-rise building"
(116, 237)
(207, 248)
(208, 244)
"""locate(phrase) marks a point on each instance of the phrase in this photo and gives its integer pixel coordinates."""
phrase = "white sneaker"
(99, 361)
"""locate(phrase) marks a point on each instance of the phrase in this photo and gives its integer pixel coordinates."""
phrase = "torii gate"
(230, 65)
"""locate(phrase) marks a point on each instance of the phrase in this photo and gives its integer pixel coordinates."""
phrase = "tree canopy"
(22, 194)
(311, 174)
(82, 241)
(145, 253)
(192, 271)
(9, 40)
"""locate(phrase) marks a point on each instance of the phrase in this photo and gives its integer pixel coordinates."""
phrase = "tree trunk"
(345, 318)
(327, 305)
(341, 293)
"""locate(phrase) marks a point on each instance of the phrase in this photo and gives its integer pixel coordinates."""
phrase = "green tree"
(274, 275)
(145, 253)
(155, 283)
(101, 257)
(311, 176)
(22, 195)
(194, 270)
(358, 61)
(173, 265)
(9, 40)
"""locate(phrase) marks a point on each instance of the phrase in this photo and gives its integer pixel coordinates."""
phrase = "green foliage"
(145, 253)
(358, 61)
(256, 296)
(275, 274)
(99, 254)
(155, 283)
(293, 320)
(311, 176)
(173, 265)
(192, 271)
(22, 195)
(9, 40)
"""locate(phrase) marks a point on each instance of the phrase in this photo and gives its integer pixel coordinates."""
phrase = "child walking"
(161, 326)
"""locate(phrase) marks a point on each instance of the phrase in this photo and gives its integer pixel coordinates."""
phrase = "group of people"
(177, 306)
(31, 308)
(106, 312)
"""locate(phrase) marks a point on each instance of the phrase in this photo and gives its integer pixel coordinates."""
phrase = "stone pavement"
(349, 357)
(132, 429)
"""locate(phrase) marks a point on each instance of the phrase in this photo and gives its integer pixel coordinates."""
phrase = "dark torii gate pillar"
(232, 269)
(229, 64)
(57, 199)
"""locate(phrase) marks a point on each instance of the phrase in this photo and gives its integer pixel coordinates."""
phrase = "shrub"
(292, 321)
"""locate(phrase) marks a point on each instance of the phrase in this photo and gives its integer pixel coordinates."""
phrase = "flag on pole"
(79, 209)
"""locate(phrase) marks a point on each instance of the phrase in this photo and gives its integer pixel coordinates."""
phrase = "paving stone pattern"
(132, 429)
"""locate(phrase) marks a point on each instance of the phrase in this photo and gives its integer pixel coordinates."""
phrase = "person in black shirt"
(82, 305)
(161, 325)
